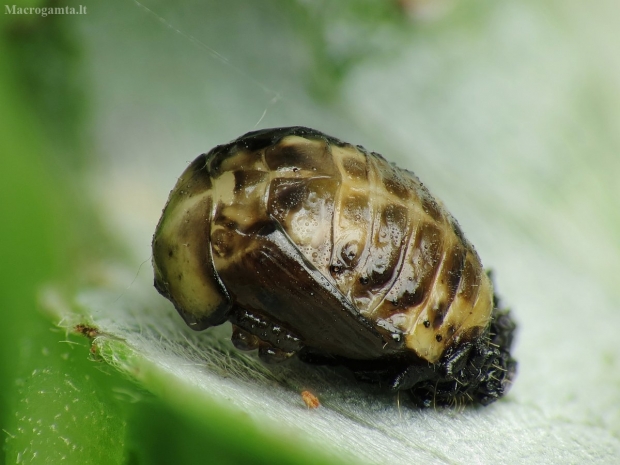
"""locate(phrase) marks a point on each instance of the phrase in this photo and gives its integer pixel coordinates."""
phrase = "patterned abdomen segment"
(402, 259)
(272, 206)
(293, 182)
(370, 228)
(440, 295)
(302, 195)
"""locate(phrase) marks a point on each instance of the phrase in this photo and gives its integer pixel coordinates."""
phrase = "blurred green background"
(509, 110)
(56, 405)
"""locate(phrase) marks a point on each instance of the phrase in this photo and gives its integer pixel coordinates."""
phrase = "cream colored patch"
(481, 314)
(290, 141)
(311, 225)
(224, 188)
(183, 273)
(422, 340)
(462, 316)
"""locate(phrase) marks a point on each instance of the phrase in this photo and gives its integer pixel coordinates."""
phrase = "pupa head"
(182, 260)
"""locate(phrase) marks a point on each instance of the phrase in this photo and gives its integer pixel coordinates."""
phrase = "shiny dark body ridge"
(313, 247)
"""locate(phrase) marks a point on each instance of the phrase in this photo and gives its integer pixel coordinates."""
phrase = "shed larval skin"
(313, 246)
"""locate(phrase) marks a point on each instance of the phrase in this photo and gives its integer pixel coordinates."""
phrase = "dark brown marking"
(425, 263)
(261, 227)
(394, 184)
(381, 269)
(450, 276)
(390, 177)
(304, 156)
(454, 264)
(438, 337)
(411, 299)
(242, 339)
(428, 242)
(471, 334)
(387, 241)
(470, 280)
(258, 140)
(394, 217)
(248, 178)
(425, 258)
(430, 206)
(354, 167)
(287, 196)
(439, 314)
(452, 270)
(216, 157)
(335, 269)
